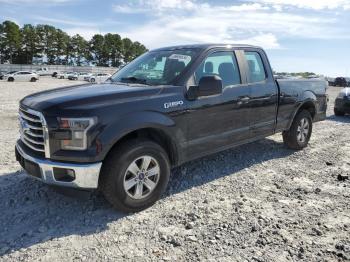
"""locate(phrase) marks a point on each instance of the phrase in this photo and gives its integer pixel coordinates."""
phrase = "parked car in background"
(79, 76)
(3, 74)
(348, 81)
(331, 81)
(340, 81)
(342, 102)
(60, 75)
(167, 107)
(22, 76)
(64, 75)
(44, 71)
(98, 78)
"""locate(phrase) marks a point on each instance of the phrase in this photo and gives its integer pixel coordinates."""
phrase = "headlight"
(78, 128)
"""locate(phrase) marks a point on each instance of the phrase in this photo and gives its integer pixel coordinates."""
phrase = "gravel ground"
(257, 202)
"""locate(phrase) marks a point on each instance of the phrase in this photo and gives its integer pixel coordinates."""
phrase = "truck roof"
(203, 46)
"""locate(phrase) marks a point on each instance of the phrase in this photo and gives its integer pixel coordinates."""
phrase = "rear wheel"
(10, 79)
(298, 136)
(92, 80)
(338, 112)
(135, 175)
(33, 79)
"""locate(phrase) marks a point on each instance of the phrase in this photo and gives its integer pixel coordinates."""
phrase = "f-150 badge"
(173, 104)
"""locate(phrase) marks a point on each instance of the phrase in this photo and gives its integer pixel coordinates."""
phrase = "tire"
(92, 80)
(298, 136)
(10, 79)
(33, 79)
(116, 173)
(338, 112)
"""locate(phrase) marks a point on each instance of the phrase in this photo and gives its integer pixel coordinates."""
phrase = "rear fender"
(306, 100)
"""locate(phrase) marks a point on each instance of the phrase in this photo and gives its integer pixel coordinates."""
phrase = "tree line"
(30, 43)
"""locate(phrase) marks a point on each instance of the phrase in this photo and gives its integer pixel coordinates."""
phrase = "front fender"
(136, 121)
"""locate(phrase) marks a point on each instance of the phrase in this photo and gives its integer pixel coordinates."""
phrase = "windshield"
(156, 67)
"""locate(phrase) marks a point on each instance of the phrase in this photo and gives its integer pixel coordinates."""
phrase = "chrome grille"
(33, 130)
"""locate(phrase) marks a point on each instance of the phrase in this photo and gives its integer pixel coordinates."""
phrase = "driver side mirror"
(207, 86)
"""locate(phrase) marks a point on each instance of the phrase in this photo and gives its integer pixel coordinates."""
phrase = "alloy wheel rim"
(303, 130)
(141, 177)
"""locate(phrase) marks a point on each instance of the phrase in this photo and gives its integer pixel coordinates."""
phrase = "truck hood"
(87, 95)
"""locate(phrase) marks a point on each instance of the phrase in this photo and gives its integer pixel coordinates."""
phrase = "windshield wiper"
(134, 79)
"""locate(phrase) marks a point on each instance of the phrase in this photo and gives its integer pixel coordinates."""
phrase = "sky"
(298, 35)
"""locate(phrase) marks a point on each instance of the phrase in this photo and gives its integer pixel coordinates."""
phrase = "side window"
(255, 67)
(223, 64)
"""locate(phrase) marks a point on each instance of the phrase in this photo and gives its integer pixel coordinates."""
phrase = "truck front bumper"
(61, 174)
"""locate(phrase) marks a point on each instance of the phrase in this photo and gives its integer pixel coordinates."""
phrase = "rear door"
(216, 122)
(264, 93)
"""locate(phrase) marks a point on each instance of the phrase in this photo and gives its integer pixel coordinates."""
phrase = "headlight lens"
(78, 128)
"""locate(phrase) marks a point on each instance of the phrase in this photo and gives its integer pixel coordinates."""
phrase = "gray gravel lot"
(257, 202)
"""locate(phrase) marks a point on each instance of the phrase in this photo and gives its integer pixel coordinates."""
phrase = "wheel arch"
(158, 128)
(154, 134)
(308, 105)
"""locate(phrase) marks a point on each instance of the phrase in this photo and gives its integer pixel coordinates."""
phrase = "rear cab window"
(255, 67)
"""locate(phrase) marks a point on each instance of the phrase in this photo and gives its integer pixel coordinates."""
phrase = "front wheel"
(298, 136)
(92, 80)
(10, 79)
(33, 79)
(135, 175)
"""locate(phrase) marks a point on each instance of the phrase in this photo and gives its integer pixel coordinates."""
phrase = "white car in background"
(79, 76)
(21, 76)
(98, 78)
(44, 71)
(64, 75)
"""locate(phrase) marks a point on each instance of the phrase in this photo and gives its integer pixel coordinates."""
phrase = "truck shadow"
(33, 213)
(229, 162)
(341, 119)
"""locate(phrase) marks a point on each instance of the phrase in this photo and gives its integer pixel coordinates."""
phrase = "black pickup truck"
(167, 107)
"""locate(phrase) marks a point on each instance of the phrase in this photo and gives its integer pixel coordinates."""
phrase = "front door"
(216, 122)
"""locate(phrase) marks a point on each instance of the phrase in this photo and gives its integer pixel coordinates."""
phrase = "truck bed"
(294, 92)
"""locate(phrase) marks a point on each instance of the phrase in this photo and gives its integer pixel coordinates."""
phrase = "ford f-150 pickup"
(167, 107)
